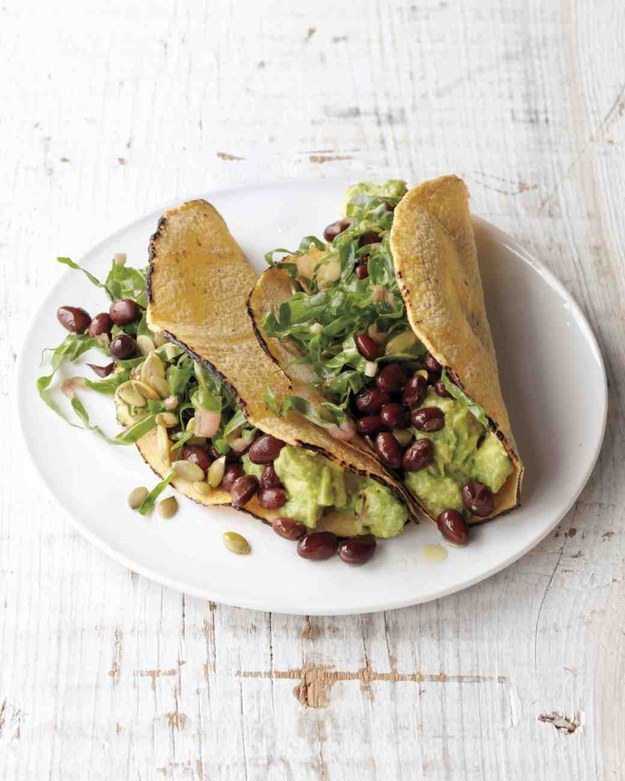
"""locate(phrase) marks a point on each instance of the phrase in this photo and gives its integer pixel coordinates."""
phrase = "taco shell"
(198, 284)
(435, 259)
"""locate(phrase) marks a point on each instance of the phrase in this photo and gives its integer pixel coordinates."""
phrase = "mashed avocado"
(252, 469)
(314, 483)
(463, 450)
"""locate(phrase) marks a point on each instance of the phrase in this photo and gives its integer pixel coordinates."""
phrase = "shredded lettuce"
(474, 408)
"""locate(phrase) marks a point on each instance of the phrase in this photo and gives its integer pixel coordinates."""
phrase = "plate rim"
(249, 602)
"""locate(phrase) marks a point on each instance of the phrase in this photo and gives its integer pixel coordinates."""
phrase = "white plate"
(553, 380)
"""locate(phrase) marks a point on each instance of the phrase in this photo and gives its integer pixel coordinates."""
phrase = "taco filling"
(332, 313)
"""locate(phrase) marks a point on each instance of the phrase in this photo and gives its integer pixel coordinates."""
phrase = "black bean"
(272, 498)
(371, 400)
(418, 455)
(392, 378)
(196, 455)
(369, 424)
(441, 390)
(394, 415)
(453, 527)
(432, 365)
(333, 230)
(288, 528)
(414, 391)
(231, 473)
(362, 272)
(73, 318)
(478, 498)
(122, 346)
(101, 324)
(428, 419)
(243, 489)
(369, 238)
(388, 449)
(269, 478)
(124, 311)
(357, 550)
(317, 546)
(367, 347)
(265, 449)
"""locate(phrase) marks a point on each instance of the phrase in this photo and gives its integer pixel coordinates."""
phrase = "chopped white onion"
(371, 368)
(206, 423)
(316, 329)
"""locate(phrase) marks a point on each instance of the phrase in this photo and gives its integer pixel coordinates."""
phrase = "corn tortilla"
(198, 284)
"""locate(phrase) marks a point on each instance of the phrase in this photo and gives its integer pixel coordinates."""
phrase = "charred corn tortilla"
(198, 284)
(435, 259)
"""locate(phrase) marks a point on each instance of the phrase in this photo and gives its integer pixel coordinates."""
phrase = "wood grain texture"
(109, 109)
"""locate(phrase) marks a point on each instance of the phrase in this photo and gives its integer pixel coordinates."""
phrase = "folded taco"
(286, 465)
(386, 320)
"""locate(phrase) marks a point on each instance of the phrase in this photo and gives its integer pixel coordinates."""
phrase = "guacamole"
(463, 450)
(313, 483)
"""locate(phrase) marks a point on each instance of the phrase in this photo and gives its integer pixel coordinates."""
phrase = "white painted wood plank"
(110, 109)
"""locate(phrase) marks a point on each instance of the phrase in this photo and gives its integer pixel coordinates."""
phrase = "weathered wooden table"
(109, 109)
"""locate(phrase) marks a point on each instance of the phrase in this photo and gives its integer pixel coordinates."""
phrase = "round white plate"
(553, 381)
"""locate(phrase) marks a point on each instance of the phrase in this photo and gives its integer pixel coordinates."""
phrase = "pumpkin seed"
(216, 471)
(202, 488)
(423, 373)
(128, 393)
(167, 419)
(163, 443)
(401, 343)
(159, 339)
(137, 496)
(145, 390)
(167, 508)
(171, 402)
(188, 471)
(145, 344)
(152, 366)
(190, 425)
(160, 385)
(171, 351)
(236, 543)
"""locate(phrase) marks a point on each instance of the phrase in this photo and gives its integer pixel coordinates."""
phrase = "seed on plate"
(145, 390)
(145, 344)
(202, 487)
(216, 471)
(152, 366)
(167, 419)
(163, 444)
(236, 543)
(167, 508)
(129, 394)
(187, 470)
(160, 386)
(137, 496)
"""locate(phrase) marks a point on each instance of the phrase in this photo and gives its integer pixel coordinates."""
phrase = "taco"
(197, 286)
(386, 319)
